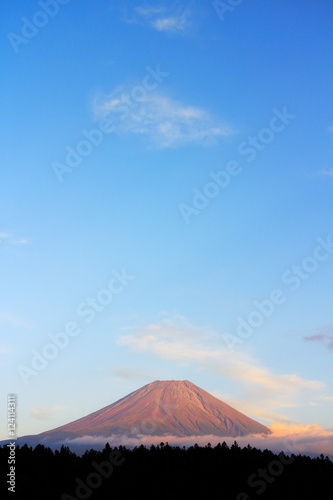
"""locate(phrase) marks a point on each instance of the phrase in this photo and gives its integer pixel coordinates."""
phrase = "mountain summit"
(172, 408)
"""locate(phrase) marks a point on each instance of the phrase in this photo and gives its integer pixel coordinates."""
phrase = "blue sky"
(165, 168)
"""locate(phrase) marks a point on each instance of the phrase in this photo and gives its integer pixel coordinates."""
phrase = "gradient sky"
(171, 95)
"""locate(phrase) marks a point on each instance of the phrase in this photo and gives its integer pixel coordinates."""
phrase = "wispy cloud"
(161, 18)
(22, 241)
(179, 341)
(42, 413)
(167, 122)
(288, 438)
(323, 334)
(149, 10)
(3, 236)
(327, 398)
(174, 24)
(14, 320)
(326, 173)
(7, 238)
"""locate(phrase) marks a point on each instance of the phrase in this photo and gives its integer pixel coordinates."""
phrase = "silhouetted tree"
(183, 472)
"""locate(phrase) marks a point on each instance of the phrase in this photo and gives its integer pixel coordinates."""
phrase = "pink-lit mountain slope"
(177, 408)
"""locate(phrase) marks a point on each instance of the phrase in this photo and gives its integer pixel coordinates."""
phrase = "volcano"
(161, 408)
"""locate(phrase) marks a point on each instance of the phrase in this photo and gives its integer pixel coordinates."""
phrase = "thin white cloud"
(167, 122)
(149, 10)
(14, 320)
(3, 236)
(326, 173)
(262, 411)
(173, 24)
(330, 129)
(204, 350)
(161, 19)
(8, 239)
(328, 398)
(22, 241)
(296, 439)
(42, 413)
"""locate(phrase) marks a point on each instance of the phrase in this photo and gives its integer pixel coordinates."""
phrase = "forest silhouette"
(165, 471)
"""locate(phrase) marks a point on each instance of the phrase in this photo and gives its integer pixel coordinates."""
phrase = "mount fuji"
(161, 408)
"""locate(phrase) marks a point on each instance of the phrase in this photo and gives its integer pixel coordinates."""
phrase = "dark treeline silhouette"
(165, 472)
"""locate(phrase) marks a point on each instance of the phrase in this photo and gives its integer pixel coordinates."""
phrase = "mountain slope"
(177, 408)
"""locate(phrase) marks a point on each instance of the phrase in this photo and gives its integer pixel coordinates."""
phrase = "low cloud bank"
(298, 439)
